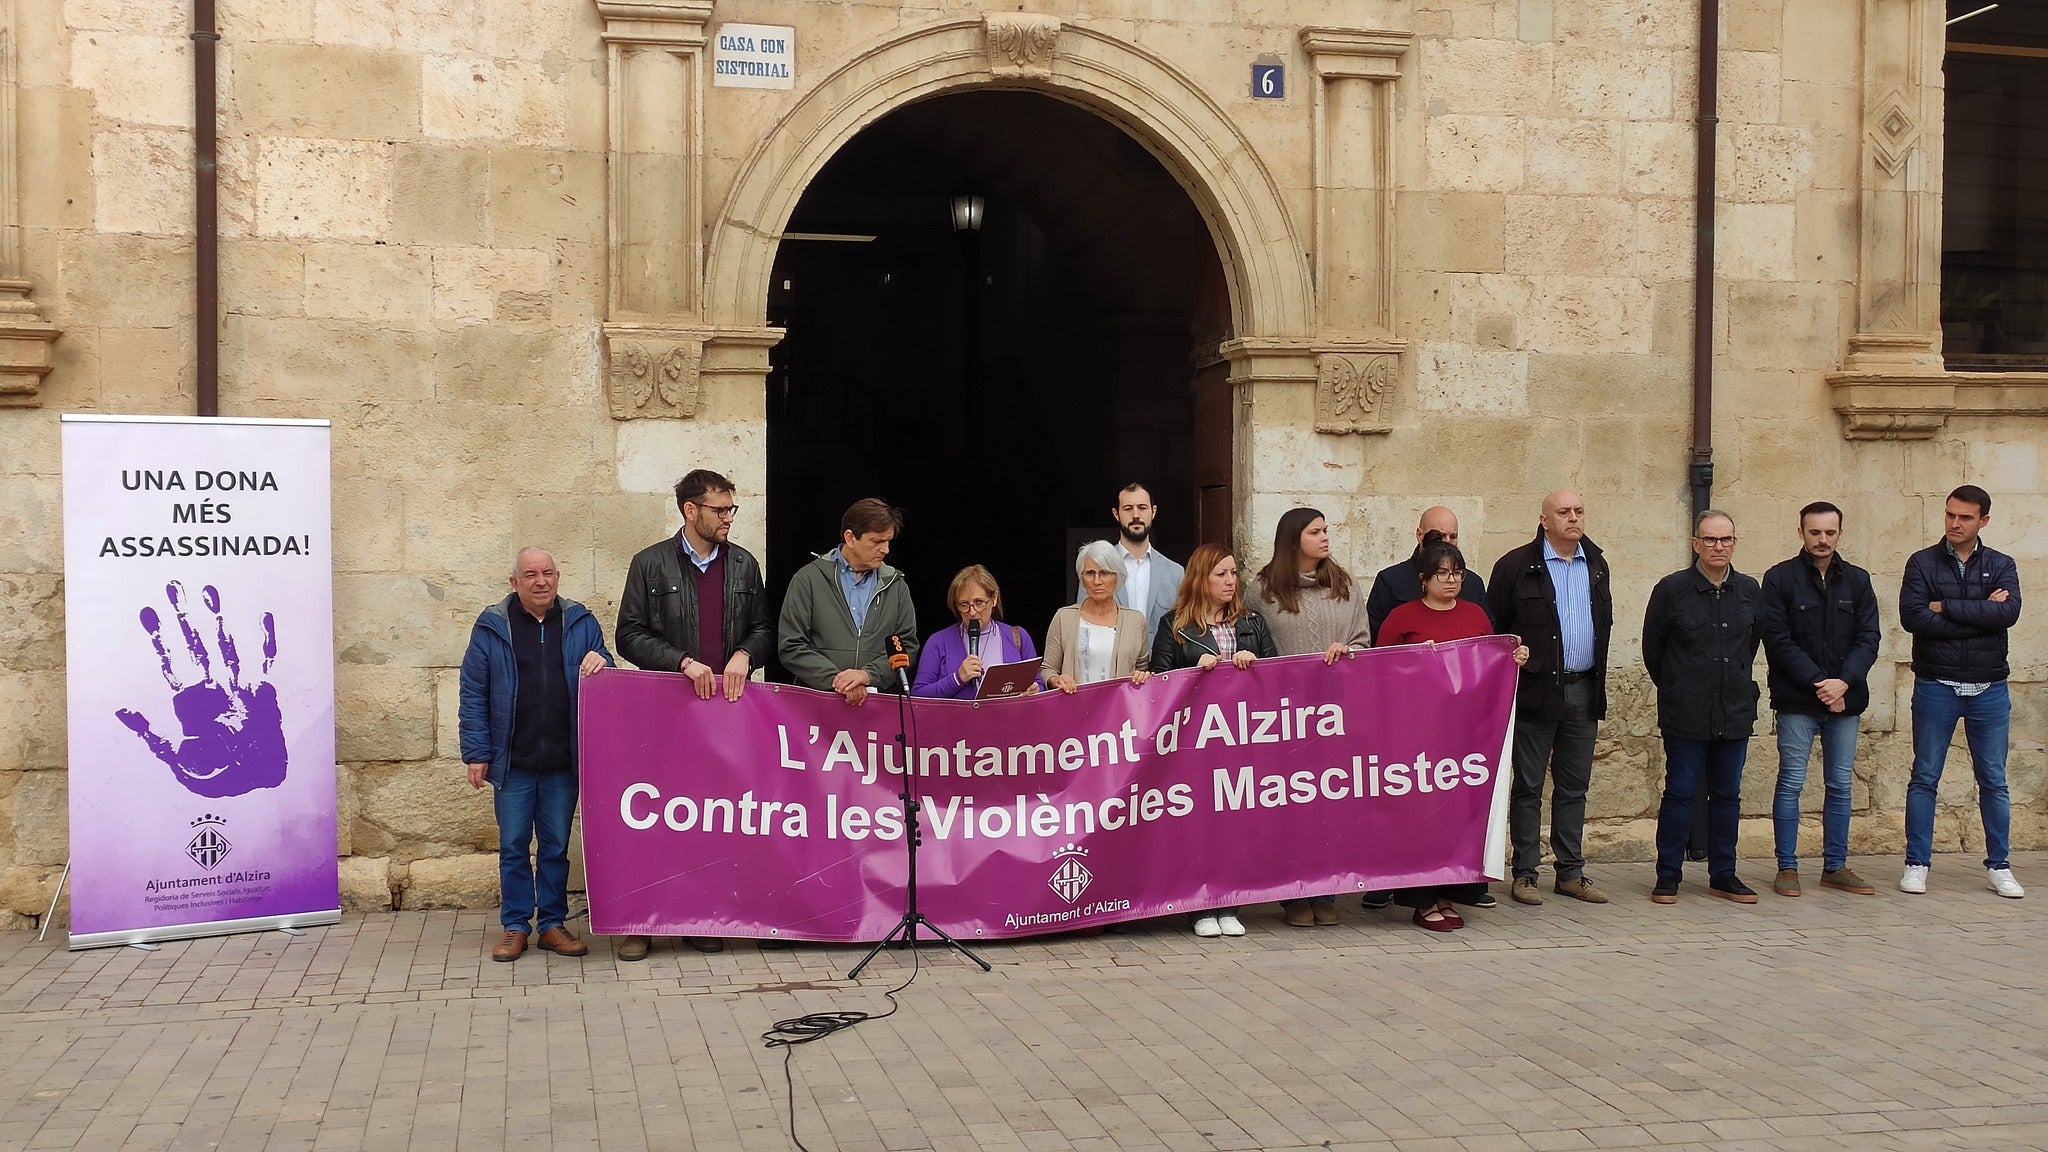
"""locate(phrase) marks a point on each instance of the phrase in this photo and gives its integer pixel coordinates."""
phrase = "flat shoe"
(1440, 925)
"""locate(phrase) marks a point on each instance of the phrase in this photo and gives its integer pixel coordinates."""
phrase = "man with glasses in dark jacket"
(694, 604)
(1821, 635)
(1959, 598)
(1700, 636)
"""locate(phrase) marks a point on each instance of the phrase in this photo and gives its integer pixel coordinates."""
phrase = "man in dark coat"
(1700, 635)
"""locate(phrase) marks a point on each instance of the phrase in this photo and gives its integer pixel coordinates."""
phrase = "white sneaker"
(1915, 879)
(1232, 926)
(1208, 929)
(2003, 883)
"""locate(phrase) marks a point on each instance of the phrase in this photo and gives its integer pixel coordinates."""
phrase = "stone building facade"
(524, 256)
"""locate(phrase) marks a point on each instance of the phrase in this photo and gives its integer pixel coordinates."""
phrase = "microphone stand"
(906, 927)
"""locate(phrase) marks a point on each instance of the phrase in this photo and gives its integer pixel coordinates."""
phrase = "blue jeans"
(1687, 763)
(534, 806)
(1986, 717)
(1796, 732)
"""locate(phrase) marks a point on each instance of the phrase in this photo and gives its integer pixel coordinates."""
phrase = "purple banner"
(779, 815)
(199, 642)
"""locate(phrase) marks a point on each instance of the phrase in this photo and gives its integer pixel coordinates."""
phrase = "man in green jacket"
(842, 608)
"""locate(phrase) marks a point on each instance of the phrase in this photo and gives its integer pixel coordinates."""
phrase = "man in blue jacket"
(1821, 635)
(527, 655)
(1959, 599)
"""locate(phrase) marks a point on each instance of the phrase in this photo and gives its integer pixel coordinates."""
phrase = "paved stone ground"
(1832, 1021)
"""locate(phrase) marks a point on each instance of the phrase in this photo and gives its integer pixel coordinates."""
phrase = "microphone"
(974, 637)
(900, 661)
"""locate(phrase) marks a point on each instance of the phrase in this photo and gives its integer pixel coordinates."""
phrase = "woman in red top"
(1439, 615)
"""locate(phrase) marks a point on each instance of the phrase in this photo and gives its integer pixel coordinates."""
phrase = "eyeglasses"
(972, 605)
(1716, 541)
(723, 511)
(1449, 574)
(1096, 574)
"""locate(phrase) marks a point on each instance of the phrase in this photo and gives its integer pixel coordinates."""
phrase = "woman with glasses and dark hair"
(1097, 639)
(1211, 625)
(951, 664)
(1439, 616)
(1310, 605)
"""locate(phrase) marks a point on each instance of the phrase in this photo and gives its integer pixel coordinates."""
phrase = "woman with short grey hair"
(1097, 639)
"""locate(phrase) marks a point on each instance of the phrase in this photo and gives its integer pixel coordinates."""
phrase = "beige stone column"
(1892, 384)
(1359, 353)
(24, 337)
(661, 350)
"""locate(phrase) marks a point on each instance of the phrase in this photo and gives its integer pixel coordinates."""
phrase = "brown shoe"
(1525, 891)
(511, 946)
(562, 942)
(630, 948)
(1787, 883)
(1580, 888)
(1300, 916)
(1325, 914)
(1847, 880)
(706, 943)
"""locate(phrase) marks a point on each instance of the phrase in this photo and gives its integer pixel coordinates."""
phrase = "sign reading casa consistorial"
(754, 56)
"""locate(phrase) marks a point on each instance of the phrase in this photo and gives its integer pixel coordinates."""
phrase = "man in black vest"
(695, 604)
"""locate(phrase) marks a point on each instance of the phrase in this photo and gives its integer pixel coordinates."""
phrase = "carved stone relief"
(655, 378)
(1021, 44)
(1354, 391)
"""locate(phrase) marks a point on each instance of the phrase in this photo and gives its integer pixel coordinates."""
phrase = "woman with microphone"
(950, 666)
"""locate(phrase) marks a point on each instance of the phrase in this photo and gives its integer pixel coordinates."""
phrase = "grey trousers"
(1564, 748)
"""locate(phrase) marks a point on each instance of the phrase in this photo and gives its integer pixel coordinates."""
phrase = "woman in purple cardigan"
(944, 668)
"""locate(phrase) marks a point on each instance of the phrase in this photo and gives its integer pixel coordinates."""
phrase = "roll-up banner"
(199, 654)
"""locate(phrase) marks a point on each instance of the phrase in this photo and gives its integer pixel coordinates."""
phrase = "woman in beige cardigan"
(1097, 639)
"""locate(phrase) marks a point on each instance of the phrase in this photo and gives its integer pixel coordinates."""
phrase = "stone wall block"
(496, 364)
(32, 729)
(56, 125)
(467, 881)
(32, 525)
(415, 810)
(1771, 325)
(383, 712)
(1581, 157)
(473, 285)
(144, 365)
(515, 101)
(32, 622)
(403, 619)
(1582, 235)
(25, 894)
(324, 189)
(1615, 841)
(391, 287)
(448, 711)
(1763, 163)
(439, 26)
(1664, 236)
(1755, 242)
(1486, 76)
(1473, 153)
(42, 818)
(146, 17)
(1659, 158)
(256, 21)
(365, 884)
(1753, 25)
(1455, 378)
(307, 361)
(1588, 383)
(369, 527)
(1597, 314)
(327, 90)
(1607, 85)
(263, 277)
(139, 79)
(1449, 232)
(1628, 785)
(439, 194)
(126, 281)
(539, 197)
(1813, 42)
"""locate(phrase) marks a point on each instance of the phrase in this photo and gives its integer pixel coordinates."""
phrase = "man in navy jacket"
(1959, 598)
(1821, 636)
(527, 656)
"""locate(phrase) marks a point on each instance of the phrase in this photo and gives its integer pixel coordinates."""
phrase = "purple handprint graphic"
(233, 738)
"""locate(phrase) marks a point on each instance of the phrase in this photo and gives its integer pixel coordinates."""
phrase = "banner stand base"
(54, 897)
(146, 947)
(292, 931)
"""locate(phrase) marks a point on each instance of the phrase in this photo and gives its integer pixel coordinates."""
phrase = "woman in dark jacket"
(1209, 625)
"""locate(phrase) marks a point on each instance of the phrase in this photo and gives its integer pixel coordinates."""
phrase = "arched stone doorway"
(999, 382)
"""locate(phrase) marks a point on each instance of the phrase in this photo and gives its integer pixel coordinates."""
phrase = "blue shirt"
(702, 563)
(1571, 583)
(857, 587)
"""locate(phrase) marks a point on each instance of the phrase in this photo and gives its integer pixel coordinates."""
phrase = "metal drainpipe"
(1702, 471)
(205, 67)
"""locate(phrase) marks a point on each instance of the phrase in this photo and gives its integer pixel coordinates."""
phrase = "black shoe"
(1666, 892)
(1730, 888)
(1483, 900)
(1374, 901)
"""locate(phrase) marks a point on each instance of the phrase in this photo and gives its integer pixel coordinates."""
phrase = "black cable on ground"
(787, 1034)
